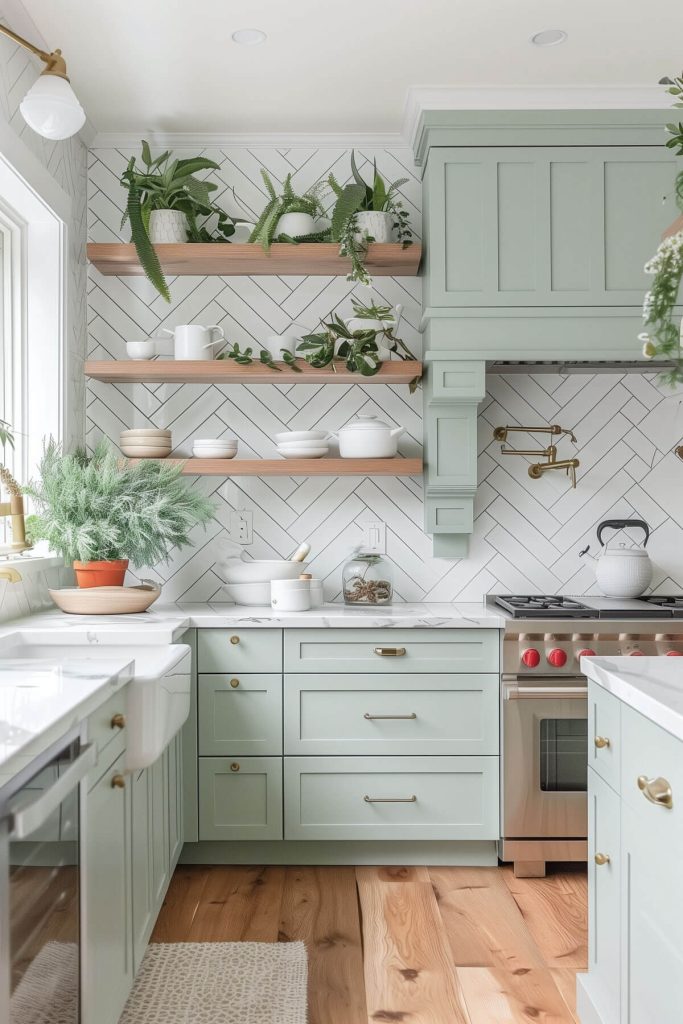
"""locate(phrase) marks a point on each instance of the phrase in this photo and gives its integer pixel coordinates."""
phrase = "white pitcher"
(192, 341)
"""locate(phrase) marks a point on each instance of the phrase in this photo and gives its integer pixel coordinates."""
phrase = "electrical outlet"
(241, 525)
(375, 537)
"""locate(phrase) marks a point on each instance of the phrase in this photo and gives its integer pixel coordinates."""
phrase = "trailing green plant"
(356, 197)
(288, 202)
(101, 508)
(166, 184)
(244, 357)
(662, 336)
(365, 311)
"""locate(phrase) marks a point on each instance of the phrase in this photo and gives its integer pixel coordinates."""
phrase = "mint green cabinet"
(142, 862)
(239, 650)
(107, 948)
(240, 714)
(240, 798)
(545, 226)
(604, 895)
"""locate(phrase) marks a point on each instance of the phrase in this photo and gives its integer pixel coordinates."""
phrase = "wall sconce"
(50, 107)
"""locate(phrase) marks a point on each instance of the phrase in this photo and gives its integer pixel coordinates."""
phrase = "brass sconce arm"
(55, 63)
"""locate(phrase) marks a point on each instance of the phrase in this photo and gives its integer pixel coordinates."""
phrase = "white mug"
(288, 341)
(192, 341)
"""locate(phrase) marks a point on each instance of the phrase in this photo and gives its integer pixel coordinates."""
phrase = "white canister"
(296, 225)
(317, 597)
(290, 595)
(141, 349)
(192, 341)
(167, 226)
(374, 224)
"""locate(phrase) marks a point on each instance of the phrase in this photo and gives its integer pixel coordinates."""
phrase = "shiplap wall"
(527, 533)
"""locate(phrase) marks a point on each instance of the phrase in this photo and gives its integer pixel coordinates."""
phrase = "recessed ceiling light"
(551, 37)
(249, 37)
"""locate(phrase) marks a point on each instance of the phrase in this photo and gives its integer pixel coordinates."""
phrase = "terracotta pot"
(101, 574)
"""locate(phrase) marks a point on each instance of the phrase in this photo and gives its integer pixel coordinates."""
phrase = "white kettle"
(620, 571)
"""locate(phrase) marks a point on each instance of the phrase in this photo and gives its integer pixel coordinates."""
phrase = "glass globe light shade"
(51, 108)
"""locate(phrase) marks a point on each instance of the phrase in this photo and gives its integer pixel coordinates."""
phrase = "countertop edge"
(635, 694)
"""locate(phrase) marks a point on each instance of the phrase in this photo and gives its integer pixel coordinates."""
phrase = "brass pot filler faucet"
(537, 469)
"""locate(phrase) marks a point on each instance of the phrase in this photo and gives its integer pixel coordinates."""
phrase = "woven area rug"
(220, 983)
(48, 992)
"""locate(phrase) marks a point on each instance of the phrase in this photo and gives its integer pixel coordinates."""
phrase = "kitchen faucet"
(537, 469)
(14, 508)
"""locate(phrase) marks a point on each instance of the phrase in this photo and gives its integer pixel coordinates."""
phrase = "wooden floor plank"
(408, 974)
(483, 923)
(180, 905)
(497, 996)
(555, 914)
(565, 979)
(239, 904)
(320, 908)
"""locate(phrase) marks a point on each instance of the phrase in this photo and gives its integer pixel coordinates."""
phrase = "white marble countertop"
(166, 622)
(651, 686)
(41, 701)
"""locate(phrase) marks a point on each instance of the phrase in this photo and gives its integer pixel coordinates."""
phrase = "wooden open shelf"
(226, 260)
(300, 467)
(226, 371)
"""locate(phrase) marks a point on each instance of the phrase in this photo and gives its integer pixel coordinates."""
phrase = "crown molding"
(242, 140)
(527, 97)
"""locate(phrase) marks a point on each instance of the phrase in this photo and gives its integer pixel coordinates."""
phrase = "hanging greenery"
(662, 334)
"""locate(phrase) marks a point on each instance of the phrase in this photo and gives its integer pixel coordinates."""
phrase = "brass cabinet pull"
(602, 858)
(390, 652)
(390, 799)
(118, 782)
(657, 791)
(118, 721)
(601, 741)
(372, 718)
(234, 767)
(234, 683)
(234, 639)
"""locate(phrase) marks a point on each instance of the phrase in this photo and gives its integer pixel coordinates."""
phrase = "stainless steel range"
(545, 708)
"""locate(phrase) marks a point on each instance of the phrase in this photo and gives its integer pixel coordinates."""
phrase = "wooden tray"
(105, 600)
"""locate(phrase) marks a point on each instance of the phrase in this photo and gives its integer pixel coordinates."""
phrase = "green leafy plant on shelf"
(244, 357)
(662, 334)
(167, 184)
(101, 508)
(288, 201)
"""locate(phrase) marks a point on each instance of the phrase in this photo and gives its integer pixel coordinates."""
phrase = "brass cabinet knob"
(234, 683)
(657, 791)
(601, 741)
(118, 782)
(118, 721)
(602, 858)
(234, 639)
(234, 767)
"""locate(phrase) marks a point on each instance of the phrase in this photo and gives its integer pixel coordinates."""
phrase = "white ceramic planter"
(167, 226)
(356, 323)
(277, 342)
(374, 224)
(295, 225)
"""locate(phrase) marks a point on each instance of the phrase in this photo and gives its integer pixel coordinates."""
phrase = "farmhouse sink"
(158, 699)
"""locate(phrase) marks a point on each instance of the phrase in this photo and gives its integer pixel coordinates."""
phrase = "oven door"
(545, 758)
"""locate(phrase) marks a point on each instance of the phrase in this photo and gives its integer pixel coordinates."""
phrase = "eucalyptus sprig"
(245, 358)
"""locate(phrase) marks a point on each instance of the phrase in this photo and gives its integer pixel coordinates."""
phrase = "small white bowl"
(289, 436)
(214, 453)
(221, 442)
(145, 453)
(312, 453)
(299, 445)
(261, 570)
(146, 432)
(141, 349)
(249, 593)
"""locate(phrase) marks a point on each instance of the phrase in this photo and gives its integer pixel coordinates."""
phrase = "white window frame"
(14, 342)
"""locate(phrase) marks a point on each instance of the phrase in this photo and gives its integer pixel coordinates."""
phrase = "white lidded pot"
(620, 571)
(368, 438)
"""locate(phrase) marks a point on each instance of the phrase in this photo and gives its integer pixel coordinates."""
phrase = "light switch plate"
(241, 525)
(375, 537)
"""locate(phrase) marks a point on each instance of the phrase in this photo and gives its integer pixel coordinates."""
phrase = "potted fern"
(290, 217)
(99, 513)
(168, 203)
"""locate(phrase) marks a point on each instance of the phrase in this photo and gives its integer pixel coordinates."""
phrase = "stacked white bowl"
(211, 448)
(302, 444)
(249, 582)
(146, 443)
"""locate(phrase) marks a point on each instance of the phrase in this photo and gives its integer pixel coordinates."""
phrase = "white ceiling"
(170, 65)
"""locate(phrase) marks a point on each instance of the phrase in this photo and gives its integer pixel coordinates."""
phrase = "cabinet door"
(536, 226)
(159, 815)
(175, 800)
(240, 798)
(603, 897)
(652, 916)
(240, 714)
(107, 932)
(144, 905)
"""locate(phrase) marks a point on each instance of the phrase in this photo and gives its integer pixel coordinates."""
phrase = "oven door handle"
(515, 692)
(25, 821)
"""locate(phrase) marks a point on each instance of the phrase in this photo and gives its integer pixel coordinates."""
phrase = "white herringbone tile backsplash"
(527, 532)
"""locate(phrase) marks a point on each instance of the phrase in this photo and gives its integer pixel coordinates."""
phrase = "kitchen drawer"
(240, 714)
(427, 798)
(239, 650)
(102, 724)
(240, 798)
(648, 750)
(430, 714)
(419, 650)
(604, 734)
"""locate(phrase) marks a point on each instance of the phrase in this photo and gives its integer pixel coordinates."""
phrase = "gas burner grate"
(544, 606)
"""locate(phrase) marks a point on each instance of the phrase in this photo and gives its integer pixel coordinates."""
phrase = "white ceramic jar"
(296, 225)
(167, 226)
(290, 595)
(374, 224)
(368, 438)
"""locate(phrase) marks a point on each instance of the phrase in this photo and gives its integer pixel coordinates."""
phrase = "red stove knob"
(635, 654)
(674, 654)
(531, 658)
(557, 657)
(587, 652)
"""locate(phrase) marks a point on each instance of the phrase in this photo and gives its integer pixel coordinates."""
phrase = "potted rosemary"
(99, 512)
